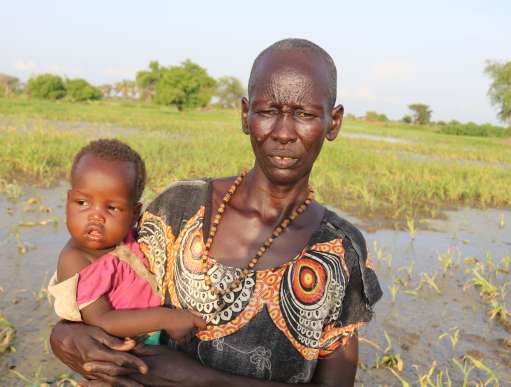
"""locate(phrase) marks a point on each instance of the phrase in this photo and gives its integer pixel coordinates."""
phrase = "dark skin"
(100, 211)
(288, 116)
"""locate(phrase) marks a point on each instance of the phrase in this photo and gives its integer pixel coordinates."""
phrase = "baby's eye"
(113, 208)
(82, 203)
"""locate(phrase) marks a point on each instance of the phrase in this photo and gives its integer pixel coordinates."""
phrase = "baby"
(103, 279)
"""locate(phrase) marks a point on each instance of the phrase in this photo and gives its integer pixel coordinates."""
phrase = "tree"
(81, 90)
(186, 86)
(146, 80)
(126, 88)
(229, 92)
(8, 85)
(500, 88)
(47, 86)
(106, 90)
(421, 113)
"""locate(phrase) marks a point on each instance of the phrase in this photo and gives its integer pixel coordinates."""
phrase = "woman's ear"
(137, 211)
(244, 115)
(335, 127)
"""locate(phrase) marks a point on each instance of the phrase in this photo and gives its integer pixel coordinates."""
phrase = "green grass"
(398, 180)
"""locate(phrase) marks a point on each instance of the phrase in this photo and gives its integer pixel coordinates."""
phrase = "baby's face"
(100, 209)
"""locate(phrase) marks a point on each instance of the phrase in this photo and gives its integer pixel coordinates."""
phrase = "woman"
(282, 282)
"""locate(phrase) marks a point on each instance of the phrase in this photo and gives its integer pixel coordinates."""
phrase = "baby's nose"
(97, 217)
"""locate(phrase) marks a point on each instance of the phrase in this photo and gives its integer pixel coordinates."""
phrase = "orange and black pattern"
(297, 313)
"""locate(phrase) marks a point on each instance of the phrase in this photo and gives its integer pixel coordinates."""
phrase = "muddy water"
(373, 137)
(413, 322)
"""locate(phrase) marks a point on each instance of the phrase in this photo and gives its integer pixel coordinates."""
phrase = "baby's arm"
(178, 323)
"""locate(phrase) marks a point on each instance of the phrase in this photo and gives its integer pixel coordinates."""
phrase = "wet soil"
(413, 321)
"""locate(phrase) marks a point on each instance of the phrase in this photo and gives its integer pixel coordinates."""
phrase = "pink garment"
(117, 280)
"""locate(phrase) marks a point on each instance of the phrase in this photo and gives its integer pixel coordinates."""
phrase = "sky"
(388, 54)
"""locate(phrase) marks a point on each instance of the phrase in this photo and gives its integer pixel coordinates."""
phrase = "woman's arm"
(171, 368)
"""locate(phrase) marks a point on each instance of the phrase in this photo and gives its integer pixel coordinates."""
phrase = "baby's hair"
(115, 150)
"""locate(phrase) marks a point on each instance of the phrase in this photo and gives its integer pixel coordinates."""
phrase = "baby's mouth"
(94, 232)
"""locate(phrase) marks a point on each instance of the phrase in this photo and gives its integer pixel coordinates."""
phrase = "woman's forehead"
(292, 76)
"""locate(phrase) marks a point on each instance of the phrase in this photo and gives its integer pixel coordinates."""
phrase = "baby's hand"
(184, 325)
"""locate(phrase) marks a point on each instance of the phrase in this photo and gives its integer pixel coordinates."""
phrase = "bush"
(9, 85)
(46, 86)
(472, 129)
(407, 119)
(81, 90)
(375, 116)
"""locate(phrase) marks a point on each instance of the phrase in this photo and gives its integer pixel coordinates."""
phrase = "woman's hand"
(95, 354)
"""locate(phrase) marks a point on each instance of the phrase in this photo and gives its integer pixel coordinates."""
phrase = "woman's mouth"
(283, 162)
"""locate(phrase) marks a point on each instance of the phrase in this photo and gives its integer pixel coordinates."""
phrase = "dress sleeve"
(361, 293)
(83, 288)
(96, 280)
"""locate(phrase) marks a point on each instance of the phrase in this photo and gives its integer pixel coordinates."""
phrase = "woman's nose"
(284, 130)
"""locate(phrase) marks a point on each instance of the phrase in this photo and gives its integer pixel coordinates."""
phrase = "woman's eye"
(304, 115)
(268, 112)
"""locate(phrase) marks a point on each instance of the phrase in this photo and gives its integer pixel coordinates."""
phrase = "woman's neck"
(272, 202)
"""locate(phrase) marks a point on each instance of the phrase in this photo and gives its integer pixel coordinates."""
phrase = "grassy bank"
(420, 175)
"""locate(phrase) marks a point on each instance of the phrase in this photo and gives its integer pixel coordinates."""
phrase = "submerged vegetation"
(417, 175)
(379, 168)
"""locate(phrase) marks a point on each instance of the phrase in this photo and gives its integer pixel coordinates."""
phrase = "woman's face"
(289, 115)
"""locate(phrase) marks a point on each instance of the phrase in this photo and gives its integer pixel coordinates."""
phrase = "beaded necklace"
(277, 231)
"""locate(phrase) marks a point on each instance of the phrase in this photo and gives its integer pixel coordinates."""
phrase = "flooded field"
(438, 319)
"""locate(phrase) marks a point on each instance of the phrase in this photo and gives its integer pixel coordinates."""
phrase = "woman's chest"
(300, 297)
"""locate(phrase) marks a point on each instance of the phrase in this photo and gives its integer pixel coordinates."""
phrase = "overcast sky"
(389, 54)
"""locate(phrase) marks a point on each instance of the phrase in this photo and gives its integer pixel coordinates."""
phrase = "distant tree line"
(185, 86)
(421, 115)
(189, 85)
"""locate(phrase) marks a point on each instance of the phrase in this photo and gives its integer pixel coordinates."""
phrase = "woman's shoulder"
(340, 232)
(334, 227)
(179, 193)
(180, 200)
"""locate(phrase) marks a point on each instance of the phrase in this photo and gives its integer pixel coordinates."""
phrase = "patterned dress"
(278, 322)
